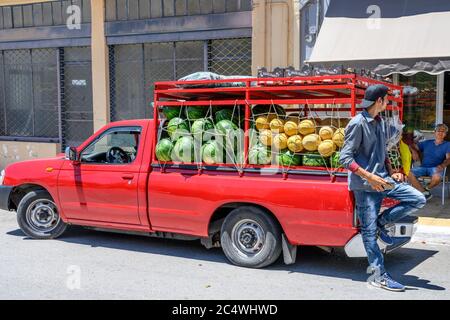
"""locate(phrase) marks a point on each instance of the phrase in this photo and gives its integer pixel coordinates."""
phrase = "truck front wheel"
(38, 216)
(250, 238)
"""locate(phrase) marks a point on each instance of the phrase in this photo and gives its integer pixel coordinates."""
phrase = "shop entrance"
(446, 115)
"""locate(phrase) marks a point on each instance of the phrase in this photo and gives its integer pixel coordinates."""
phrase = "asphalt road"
(85, 264)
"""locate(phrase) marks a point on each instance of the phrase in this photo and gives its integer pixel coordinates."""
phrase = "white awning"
(407, 29)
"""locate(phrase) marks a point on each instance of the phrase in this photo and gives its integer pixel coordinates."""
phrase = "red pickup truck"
(110, 182)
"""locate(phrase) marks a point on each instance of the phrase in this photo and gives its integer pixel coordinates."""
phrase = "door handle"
(128, 177)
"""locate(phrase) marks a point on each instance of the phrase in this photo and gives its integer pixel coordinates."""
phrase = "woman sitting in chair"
(435, 158)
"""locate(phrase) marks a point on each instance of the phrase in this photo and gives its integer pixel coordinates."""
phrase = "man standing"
(371, 179)
(435, 158)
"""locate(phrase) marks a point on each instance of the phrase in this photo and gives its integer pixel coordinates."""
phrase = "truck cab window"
(113, 147)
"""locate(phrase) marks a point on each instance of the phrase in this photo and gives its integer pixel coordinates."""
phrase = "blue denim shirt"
(365, 144)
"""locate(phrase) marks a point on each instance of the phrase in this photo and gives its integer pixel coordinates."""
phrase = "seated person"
(435, 158)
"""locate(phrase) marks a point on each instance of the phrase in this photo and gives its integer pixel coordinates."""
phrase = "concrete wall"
(12, 151)
(276, 34)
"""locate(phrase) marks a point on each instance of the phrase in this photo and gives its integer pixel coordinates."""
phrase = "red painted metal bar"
(353, 99)
(253, 101)
(155, 125)
(247, 125)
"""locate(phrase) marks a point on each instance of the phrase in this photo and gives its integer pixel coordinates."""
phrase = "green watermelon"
(263, 109)
(225, 126)
(211, 153)
(164, 150)
(201, 125)
(314, 160)
(288, 158)
(183, 150)
(259, 155)
(194, 113)
(177, 127)
(227, 114)
(335, 160)
(173, 112)
(224, 114)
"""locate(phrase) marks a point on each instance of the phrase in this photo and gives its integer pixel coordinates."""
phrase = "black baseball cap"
(372, 93)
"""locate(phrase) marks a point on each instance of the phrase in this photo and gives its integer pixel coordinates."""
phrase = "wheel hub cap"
(248, 236)
(42, 215)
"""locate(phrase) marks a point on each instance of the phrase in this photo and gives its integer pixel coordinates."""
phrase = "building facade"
(68, 67)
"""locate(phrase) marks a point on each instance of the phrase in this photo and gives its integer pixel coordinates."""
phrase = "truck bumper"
(5, 191)
(402, 232)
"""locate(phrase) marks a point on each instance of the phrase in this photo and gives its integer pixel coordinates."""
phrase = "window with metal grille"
(76, 95)
(29, 93)
(135, 68)
(46, 95)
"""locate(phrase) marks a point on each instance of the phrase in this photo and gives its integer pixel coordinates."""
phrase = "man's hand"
(439, 168)
(398, 176)
(377, 183)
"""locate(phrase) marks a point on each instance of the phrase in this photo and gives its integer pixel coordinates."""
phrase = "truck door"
(103, 185)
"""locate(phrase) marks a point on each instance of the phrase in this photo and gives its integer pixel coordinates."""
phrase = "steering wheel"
(117, 155)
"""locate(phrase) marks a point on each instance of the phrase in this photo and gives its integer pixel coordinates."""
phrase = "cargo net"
(302, 137)
(202, 136)
(278, 138)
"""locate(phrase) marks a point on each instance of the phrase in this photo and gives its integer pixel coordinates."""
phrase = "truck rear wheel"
(38, 216)
(250, 238)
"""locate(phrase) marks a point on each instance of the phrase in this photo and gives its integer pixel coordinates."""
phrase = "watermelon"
(225, 126)
(335, 160)
(259, 154)
(194, 113)
(264, 109)
(227, 114)
(211, 152)
(177, 127)
(172, 112)
(183, 150)
(314, 160)
(288, 158)
(201, 125)
(164, 150)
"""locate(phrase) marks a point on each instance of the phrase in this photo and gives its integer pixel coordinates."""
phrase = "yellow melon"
(290, 128)
(306, 127)
(265, 136)
(277, 125)
(311, 142)
(294, 143)
(326, 133)
(262, 123)
(326, 148)
(338, 137)
(280, 141)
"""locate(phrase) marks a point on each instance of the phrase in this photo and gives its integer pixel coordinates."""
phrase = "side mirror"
(71, 154)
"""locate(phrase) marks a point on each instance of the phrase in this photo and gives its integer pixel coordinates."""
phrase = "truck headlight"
(2, 177)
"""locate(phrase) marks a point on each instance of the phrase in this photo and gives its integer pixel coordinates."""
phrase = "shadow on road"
(310, 260)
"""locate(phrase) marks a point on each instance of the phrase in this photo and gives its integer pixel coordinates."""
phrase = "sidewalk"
(434, 220)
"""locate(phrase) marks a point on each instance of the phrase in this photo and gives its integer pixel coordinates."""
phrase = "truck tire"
(250, 238)
(38, 217)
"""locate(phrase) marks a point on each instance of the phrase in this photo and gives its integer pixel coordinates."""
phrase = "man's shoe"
(427, 195)
(385, 281)
(384, 236)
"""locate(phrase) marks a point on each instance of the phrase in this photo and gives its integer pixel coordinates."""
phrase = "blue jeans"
(368, 205)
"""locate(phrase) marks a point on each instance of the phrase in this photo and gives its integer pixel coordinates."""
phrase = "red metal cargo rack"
(339, 90)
